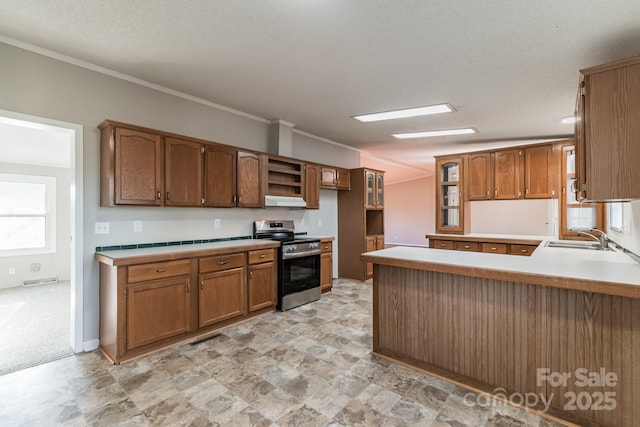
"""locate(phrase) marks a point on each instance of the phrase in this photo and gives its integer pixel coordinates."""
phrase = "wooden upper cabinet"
(539, 172)
(479, 176)
(312, 182)
(335, 178)
(508, 173)
(219, 176)
(250, 191)
(343, 179)
(374, 189)
(608, 132)
(183, 172)
(133, 174)
(329, 177)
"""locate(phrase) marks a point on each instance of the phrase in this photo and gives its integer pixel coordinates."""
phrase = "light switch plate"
(216, 223)
(102, 228)
(137, 226)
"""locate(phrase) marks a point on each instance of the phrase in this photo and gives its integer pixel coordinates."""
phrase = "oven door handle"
(301, 254)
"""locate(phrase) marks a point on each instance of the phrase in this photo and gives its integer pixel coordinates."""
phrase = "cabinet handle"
(223, 262)
(495, 192)
(524, 251)
(442, 245)
(467, 246)
(167, 195)
(158, 195)
(160, 270)
(201, 284)
(526, 191)
(262, 256)
(188, 287)
(250, 274)
(487, 193)
(494, 249)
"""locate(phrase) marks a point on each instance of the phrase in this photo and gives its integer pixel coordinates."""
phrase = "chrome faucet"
(603, 239)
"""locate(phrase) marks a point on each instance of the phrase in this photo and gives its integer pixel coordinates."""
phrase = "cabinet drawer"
(158, 270)
(443, 244)
(524, 250)
(262, 255)
(467, 246)
(494, 248)
(326, 247)
(221, 262)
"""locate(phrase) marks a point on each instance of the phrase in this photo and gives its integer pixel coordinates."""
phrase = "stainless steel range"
(298, 263)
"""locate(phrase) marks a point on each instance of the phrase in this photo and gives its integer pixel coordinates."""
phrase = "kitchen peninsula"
(511, 325)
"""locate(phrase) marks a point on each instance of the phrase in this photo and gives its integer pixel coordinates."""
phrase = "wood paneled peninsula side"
(561, 326)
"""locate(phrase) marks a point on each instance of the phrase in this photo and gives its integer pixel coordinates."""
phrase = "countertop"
(607, 272)
(166, 253)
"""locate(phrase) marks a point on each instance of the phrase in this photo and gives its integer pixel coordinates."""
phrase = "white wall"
(40, 86)
(532, 217)
(53, 264)
(409, 211)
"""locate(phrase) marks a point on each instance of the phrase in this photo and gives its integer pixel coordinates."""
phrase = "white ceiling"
(29, 143)
(510, 68)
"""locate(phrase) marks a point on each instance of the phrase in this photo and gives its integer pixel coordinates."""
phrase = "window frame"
(49, 215)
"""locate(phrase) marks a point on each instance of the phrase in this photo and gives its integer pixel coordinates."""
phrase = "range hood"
(286, 201)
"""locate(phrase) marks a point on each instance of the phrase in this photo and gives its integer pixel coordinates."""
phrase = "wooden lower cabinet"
(262, 285)
(221, 296)
(497, 246)
(157, 310)
(326, 266)
(148, 306)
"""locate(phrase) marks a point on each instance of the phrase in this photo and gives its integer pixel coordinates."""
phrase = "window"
(616, 217)
(27, 214)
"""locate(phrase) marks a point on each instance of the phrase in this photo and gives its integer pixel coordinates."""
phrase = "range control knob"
(313, 245)
(291, 248)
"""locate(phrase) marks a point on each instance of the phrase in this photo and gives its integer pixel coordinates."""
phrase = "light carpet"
(34, 325)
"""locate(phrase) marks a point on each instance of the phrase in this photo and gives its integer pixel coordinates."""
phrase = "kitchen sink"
(570, 244)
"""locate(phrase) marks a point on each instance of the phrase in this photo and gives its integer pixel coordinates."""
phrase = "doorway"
(41, 160)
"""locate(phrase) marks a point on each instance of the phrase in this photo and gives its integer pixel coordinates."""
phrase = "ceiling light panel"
(407, 112)
(432, 133)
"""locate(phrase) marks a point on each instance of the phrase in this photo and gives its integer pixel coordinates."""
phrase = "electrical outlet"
(319, 223)
(102, 228)
(216, 223)
(137, 226)
(12, 270)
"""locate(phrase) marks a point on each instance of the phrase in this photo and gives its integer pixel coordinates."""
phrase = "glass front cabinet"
(449, 198)
(374, 196)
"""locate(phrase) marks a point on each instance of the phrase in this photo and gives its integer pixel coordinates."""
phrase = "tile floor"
(310, 366)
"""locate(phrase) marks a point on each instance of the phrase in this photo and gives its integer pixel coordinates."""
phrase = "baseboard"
(90, 345)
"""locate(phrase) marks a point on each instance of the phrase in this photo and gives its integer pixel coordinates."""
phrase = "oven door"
(300, 274)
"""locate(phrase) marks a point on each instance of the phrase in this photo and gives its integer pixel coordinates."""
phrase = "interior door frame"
(77, 223)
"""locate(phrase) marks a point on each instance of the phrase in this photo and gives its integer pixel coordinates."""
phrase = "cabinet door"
(379, 242)
(221, 296)
(329, 178)
(370, 245)
(262, 286)
(326, 270)
(219, 176)
(249, 186)
(343, 179)
(183, 172)
(449, 197)
(138, 168)
(370, 189)
(507, 172)
(157, 310)
(379, 189)
(312, 182)
(538, 172)
(479, 176)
